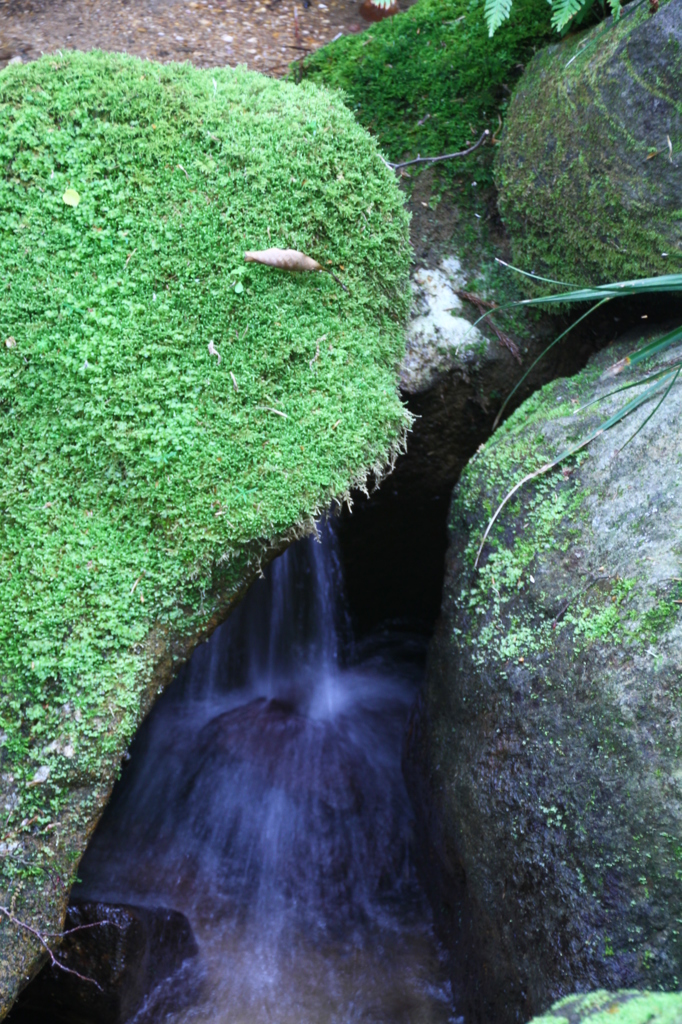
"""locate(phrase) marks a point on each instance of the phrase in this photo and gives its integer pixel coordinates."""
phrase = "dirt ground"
(266, 36)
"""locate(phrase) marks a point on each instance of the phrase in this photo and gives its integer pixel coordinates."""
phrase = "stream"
(264, 799)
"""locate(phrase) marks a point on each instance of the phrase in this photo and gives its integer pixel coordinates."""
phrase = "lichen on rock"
(588, 170)
(170, 417)
(439, 337)
(546, 752)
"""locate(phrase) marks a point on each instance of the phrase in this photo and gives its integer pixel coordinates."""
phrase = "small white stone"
(436, 336)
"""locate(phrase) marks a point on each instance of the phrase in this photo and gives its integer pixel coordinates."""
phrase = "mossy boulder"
(170, 417)
(589, 168)
(547, 750)
(625, 1007)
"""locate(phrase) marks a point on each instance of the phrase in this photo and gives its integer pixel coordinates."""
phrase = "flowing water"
(265, 801)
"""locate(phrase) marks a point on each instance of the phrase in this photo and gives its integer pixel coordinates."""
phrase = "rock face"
(438, 336)
(547, 751)
(589, 166)
(626, 1007)
(121, 954)
(171, 417)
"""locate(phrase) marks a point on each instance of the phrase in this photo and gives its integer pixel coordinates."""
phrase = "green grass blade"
(541, 356)
(655, 409)
(535, 277)
(644, 286)
(648, 350)
(623, 387)
(624, 411)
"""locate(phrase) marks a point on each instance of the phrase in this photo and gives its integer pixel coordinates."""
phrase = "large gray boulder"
(589, 169)
(547, 751)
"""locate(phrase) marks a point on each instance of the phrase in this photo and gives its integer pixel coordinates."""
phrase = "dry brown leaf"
(283, 259)
(617, 368)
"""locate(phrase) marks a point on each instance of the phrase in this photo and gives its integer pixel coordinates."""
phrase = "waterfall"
(264, 799)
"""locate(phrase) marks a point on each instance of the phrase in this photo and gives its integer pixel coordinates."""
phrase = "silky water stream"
(264, 800)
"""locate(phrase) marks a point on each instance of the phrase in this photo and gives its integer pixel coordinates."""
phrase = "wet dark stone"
(265, 766)
(122, 952)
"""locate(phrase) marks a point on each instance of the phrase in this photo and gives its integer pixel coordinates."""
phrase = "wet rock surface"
(115, 957)
(545, 754)
(248, 762)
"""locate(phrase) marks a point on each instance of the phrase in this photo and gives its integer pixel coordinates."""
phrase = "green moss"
(660, 618)
(625, 1007)
(141, 474)
(430, 80)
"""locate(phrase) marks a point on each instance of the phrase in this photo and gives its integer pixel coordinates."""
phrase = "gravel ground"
(264, 36)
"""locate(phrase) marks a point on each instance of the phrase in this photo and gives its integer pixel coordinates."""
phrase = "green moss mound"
(623, 1007)
(430, 80)
(140, 473)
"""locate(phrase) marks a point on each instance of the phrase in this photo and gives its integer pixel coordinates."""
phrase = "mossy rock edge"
(623, 1007)
(588, 170)
(145, 478)
(547, 751)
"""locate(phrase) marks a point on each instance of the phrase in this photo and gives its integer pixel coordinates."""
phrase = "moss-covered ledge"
(170, 417)
(626, 1006)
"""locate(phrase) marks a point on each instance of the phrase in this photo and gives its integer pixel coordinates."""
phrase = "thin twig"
(502, 336)
(445, 156)
(43, 942)
(331, 274)
(277, 412)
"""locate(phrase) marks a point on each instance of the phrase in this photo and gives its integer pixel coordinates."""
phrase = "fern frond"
(495, 12)
(615, 8)
(563, 11)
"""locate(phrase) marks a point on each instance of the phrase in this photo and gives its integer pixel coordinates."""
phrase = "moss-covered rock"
(430, 80)
(169, 417)
(625, 1007)
(547, 752)
(589, 166)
